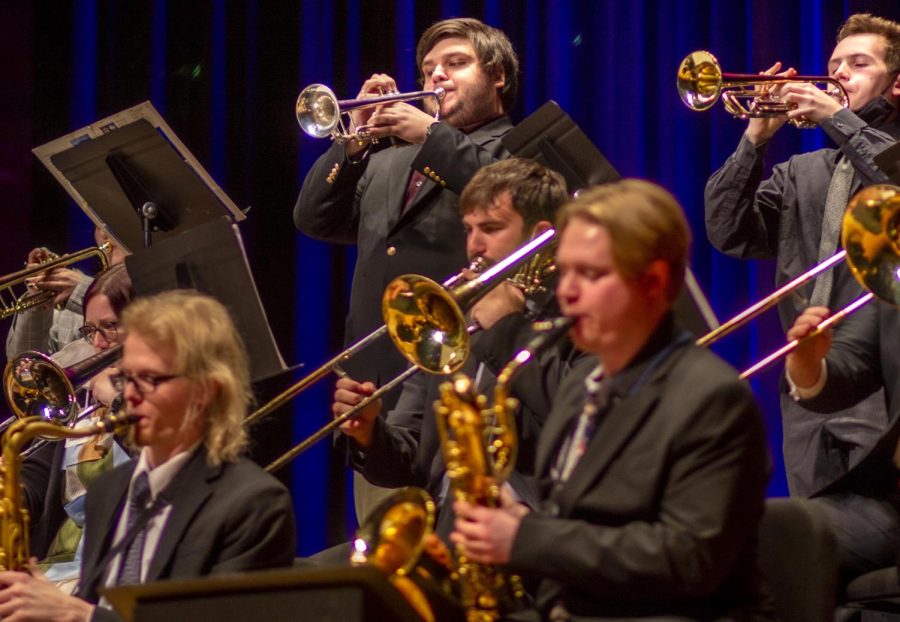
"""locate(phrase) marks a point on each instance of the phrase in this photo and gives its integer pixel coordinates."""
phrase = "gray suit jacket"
(863, 359)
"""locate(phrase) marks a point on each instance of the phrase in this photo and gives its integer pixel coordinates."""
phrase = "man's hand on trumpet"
(804, 365)
(61, 281)
(812, 103)
(347, 394)
(762, 129)
(400, 120)
(377, 85)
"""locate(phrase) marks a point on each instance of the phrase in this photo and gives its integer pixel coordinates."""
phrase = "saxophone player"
(653, 462)
(189, 505)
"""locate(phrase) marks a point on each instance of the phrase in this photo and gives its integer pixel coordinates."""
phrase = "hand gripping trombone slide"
(427, 325)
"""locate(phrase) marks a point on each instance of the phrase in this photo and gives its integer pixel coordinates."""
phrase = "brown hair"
(492, 47)
(536, 191)
(868, 24)
(207, 347)
(644, 222)
(115, 284)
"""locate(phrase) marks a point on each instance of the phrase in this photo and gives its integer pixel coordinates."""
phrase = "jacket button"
(551, 508)
(391, 251)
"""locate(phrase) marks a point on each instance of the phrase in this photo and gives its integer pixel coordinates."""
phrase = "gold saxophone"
(14, 518)
(479, 445)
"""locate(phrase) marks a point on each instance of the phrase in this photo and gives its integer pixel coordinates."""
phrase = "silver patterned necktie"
(130, 570)
(835, 204)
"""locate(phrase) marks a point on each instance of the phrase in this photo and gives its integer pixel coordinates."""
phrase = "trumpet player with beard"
(504, 205)
(652, 464)
(398, 205)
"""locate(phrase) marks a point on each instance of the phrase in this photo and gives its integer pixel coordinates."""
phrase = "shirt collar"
(162, 476)
(665, 333)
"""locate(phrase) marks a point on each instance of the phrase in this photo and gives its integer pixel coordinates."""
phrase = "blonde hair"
(200, 333)
(644, 222)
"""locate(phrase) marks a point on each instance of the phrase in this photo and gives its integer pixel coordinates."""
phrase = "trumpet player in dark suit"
(504, 205)
(189, 505)
(399, 204)
(653, 462)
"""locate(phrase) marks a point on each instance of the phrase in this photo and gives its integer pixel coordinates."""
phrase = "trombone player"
(828, 373)
(399, 205)
(794, 217)
(504, 205)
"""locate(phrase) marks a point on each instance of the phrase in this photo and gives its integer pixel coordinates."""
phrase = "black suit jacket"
(362, 203)
(660, 515)
(864, 358)
(225, 519)
(406, 450)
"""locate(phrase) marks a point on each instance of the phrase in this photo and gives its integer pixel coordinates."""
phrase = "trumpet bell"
(426, 324)
(870, 232)
(699, 80)
(317, 110)
(35, 386)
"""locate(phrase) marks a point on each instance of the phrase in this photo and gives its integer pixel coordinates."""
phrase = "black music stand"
(344, 594)
(889, 162)
(132, 175)
(551, 137)
(210, 258)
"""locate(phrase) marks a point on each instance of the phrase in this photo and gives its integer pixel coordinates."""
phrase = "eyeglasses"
(108, 330)
(144, 383)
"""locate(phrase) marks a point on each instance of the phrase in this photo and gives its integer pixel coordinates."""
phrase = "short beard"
(479, 105)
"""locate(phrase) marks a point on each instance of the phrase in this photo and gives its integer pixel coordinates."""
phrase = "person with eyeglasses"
(50, 328)
(56, 476)
(189, 505)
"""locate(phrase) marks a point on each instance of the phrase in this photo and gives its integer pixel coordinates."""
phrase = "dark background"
(225, 76)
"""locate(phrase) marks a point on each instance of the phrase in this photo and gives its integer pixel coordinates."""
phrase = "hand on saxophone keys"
(486, 535)
(31, 596)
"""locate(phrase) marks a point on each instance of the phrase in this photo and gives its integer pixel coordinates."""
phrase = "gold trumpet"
(10, 303)
(320, 113)
(701, 83)
(426, 322)
(870, 236)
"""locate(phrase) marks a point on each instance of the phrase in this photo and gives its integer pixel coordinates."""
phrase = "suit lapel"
(613, 434)
(101, 524)
(399, 169)
(190, 492)
(481, 136)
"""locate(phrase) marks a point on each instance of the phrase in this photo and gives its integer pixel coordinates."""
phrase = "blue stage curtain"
(226, 74)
